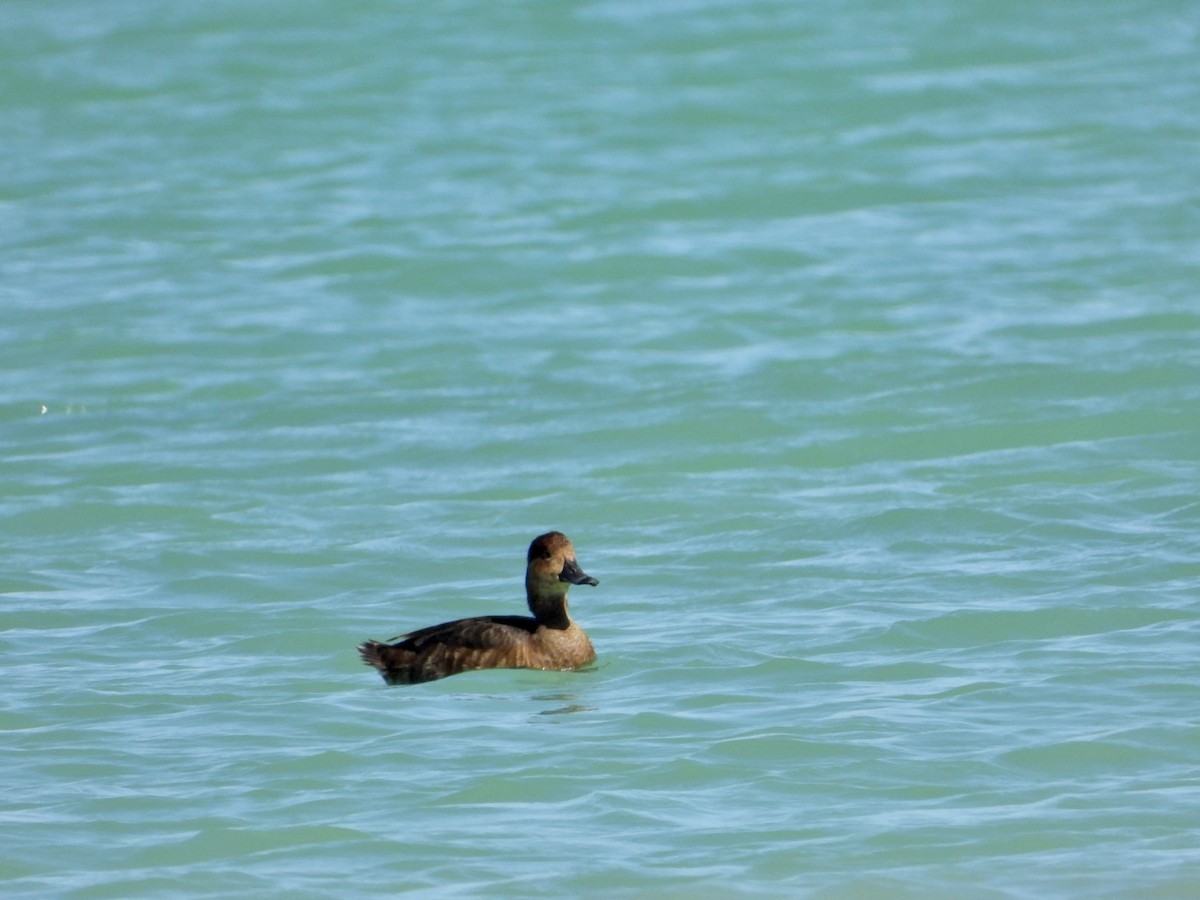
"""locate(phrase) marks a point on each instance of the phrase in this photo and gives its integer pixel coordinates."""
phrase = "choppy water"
(856, 346)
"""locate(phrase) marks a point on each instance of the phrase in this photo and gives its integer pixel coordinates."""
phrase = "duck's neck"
(549, 607)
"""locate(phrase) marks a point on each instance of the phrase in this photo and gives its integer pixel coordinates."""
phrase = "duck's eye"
(546, 554)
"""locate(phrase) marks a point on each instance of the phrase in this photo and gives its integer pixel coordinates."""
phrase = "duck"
(549, 639)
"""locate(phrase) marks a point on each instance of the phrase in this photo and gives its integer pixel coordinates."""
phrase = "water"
(856, 346)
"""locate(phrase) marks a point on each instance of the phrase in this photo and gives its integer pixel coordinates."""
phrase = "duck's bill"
(572, 574)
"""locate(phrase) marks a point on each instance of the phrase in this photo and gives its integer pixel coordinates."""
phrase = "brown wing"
(480, 633)
(487, 642)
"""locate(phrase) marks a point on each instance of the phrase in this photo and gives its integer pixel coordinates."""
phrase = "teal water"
(856, 345)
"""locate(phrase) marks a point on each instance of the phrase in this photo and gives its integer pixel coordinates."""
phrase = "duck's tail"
(394, 664)
(370, 653)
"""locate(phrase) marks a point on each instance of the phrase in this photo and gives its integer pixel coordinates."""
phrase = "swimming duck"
(549, 640)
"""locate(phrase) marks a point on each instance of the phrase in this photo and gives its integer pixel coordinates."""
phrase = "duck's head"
(552, 567)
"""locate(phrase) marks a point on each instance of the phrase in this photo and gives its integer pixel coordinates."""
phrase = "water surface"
(856, 347)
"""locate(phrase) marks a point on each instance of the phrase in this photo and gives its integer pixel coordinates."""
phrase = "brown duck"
(548, 640)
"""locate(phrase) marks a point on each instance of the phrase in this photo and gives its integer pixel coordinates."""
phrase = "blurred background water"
(856, 345)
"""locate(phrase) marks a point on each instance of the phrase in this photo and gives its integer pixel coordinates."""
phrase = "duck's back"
(485, 642)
